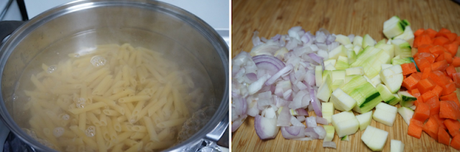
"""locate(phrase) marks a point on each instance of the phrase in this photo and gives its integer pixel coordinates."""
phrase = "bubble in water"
(98, 61)
(15, 97)
(58, 131)
(80, 105)
(65, 117)
(51, 69)
(90, 131)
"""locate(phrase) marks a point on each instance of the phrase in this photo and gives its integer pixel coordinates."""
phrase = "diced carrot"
(450, 36)
(437, 50)
(443, 136)
(425, 48)
(440, 40)
(457, 40)
(449, 88)
(426, 73)
(453, 126)
(451, 97)
(440, 65)
(451, 70)
(427, 95)
(439, 78)
(456, 77)
(437, 90)
(422, 63)
(455, 62)
(408, 68)
(440, 121)
(442, 32)
(433, 103)
(431, 128)
(449, 110)
(410, 82)
(425, 85)
(452, 48)
(428, 56)
(415, 128)
(440, 57)
(455, 142)
(417, 41)
(425, 39)
(420, 99)
(415, 92)
(417, 75)
(448, 57)
(419, 32)
(430, 32)
(422, 112)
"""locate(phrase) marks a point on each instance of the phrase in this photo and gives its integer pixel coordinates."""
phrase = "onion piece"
(321, 120)
(300, 118)
(315, 103)
(310, 132)
(320, 131)
(255, 39)
(256, 86)
(351, 37)
(281, 72)
(284, 117)
(301, 112)
(268, 62)
(293, 132)
(311, 122)
(265, 127)
(320, 37)
(296, 122)
(329, 144)
(251, 76)
(237, 123)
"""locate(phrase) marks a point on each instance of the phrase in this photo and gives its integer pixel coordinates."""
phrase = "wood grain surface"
(359, 17)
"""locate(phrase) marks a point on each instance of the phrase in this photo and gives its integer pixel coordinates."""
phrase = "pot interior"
(181, 38)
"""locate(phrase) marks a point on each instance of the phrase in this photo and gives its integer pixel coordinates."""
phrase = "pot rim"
(80, 5)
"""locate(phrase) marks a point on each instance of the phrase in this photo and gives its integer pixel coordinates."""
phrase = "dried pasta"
(114, 98)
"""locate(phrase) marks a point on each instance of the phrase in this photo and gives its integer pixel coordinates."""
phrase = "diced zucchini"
(364, 120)
(328, 110)
(319, 75)
(330, 131)
(402, 48)
(358, 41)
(374, 138)
(345, 123)
(324, 92)
(407, 100)
(338, 51)
(342, 101)
(344, 40)
(342, 63)
(368, 41)
(354, 71)
(396, 146)
(406, 114)
(385, 113)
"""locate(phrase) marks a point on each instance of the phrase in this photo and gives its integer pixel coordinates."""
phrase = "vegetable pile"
(434, 87)
(284, 77)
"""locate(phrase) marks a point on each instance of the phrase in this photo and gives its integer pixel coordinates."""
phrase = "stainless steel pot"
(84, 24)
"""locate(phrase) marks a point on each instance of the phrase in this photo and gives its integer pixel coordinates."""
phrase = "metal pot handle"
(217, 139)
(7, 28)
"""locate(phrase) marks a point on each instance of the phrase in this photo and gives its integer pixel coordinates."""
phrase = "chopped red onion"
(329, 144)
(306, 38)
(330, 39)
(310, 77)
(284, 117)
(324, 31)
(297, 101)
(264, 40)
(351, 37)
(321, 120)
(293, 132)
(287, 94)
(323, 54)
(301, 112)
(237, 123)
(286, 69)
(314, 48)
(296, 122)
(255, 39)
(301, 86)
(310, 132)
(251, 76)
(320, 131)
(240, 106)
(256, 86)
(322, 46)
(253, 111)
(316, 58)
(333, 45)
(320, 37)
(268, 48)
(269, 112)
(315, 103)
(277, 37)
(300, 118)
(294, 32)
(268, 62)
(292, 44)
(265, 127)
(311, 122)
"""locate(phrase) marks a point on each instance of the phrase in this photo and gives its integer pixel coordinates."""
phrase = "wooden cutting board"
(359, 17)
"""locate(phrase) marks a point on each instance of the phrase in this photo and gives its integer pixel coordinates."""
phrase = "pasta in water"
(115, 98)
